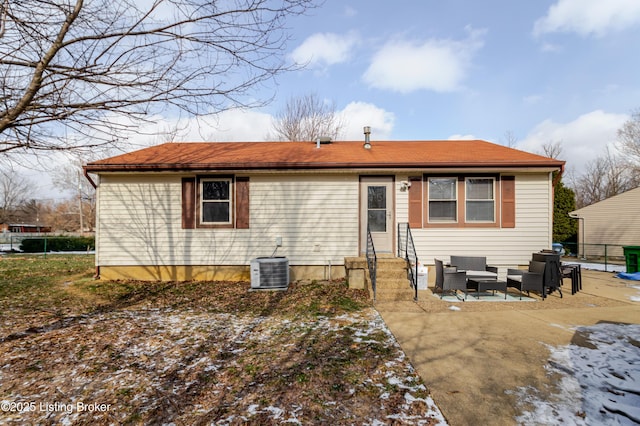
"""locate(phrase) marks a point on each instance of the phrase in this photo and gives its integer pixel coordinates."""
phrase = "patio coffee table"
(487, 284)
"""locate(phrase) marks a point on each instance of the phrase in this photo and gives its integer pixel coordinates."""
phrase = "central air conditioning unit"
(269, 273)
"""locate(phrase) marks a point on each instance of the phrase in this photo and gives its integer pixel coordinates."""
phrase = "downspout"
(86, 174)
(559, 176)
(556, 180)
(96, 276)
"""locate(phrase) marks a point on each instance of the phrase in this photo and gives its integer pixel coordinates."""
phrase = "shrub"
(37, 245)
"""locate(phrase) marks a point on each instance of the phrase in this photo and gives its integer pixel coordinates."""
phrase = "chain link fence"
(605, 254)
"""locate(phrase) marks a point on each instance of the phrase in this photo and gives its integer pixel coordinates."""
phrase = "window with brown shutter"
(484, 200)
(215, 202)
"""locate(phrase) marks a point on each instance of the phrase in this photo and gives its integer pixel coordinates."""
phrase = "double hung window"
(480, 200)
(443, 199)
(215, 201)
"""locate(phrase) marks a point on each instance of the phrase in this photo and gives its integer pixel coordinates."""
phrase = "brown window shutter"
(188, 203)
(415, 202)
(508, 195)
(242, 202)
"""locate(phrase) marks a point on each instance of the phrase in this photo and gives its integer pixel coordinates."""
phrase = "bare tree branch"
(94, 69)
(307, 118)
(629, 136)
(552, 149)
(604, 177)
(15, 189)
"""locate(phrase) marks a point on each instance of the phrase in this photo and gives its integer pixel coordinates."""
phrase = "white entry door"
(376, 207)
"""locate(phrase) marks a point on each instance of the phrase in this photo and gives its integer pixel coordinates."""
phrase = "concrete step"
(391, 273)
(392, 283)
(396, 295)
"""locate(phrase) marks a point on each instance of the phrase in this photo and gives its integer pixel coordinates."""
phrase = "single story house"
(23, 228)
(613, 222)
(183, 211)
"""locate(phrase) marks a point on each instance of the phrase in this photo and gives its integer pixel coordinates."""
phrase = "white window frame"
(228, 201)
(456, 199)
(467, 199)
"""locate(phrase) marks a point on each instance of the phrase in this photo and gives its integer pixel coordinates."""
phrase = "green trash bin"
(631, 254)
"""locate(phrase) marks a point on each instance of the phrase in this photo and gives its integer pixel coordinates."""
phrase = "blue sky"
(546, 71)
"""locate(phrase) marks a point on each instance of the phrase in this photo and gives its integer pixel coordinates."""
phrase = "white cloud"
(582, 139)
(324, 49)
(589, 17)
(238, 125)
(253, 125)
(356, 115)
(462, 137)
(439, 65)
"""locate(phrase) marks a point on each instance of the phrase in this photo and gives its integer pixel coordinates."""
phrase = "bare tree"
(307, 118)
(69, 178)
(75, 74)
(14, 192)
(510, 139)
(604, 177)
(629, 137)
(552, 149)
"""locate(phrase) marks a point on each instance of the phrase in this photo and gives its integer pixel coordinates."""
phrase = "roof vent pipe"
(318, 143)
(367, 140)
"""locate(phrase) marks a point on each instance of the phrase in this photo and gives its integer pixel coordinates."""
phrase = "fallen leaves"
(208, 353)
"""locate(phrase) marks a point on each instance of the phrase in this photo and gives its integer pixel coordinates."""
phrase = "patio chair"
(572, 271)
(531, 280)
(450, 279)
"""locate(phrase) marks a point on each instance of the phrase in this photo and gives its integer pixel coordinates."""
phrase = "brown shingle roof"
(336, 155)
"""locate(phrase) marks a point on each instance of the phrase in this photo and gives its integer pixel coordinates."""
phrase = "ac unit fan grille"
(270, 272)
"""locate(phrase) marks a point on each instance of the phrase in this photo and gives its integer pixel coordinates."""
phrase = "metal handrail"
(407, 251)
(372, 261)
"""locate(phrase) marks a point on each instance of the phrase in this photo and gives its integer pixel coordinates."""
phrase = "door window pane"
(377, 208)
(377, 220)
(377, 197)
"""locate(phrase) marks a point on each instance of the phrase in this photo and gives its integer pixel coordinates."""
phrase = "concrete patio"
(474, 356)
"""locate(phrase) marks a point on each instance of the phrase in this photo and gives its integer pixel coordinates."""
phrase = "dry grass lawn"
(74, 350)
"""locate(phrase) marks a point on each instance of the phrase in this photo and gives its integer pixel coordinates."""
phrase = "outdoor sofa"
(475, 267)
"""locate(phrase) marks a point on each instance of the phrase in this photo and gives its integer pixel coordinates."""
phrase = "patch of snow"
(596, 386)
(600, 266)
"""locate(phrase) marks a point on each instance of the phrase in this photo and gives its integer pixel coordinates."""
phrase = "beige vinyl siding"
(501, 246)
(316, 217)
(614, 221)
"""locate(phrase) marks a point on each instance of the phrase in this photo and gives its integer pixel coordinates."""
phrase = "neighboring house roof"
(338, 154)
(627, 201)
